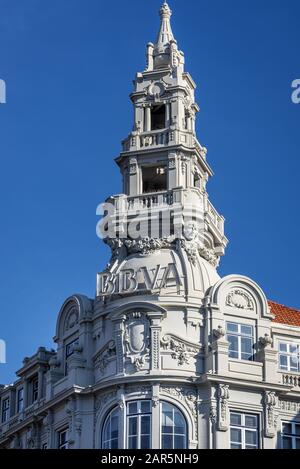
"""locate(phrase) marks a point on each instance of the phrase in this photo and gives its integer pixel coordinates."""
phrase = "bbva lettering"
(126, 281)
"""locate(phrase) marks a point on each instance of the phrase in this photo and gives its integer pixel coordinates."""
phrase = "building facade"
(168, 354)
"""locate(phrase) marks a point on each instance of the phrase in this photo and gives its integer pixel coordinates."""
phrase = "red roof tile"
(284, 314)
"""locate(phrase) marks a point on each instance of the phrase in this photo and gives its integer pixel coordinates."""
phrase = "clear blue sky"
(68, 65)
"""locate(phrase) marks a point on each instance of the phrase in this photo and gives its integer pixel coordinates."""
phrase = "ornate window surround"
(117, 401)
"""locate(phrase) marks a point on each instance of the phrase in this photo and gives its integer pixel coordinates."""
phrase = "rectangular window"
(20, 400)
(139, 425)
(289, 356)
(5, 410)
(243, 431)
(154, 179)
(34, 390)
(290, 435)
(158, 117)
(69, 352)
(241, 341)
(63, 439)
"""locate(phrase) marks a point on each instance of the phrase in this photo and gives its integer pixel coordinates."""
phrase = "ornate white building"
(168, 354)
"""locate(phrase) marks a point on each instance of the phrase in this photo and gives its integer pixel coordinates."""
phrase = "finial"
(165, 11)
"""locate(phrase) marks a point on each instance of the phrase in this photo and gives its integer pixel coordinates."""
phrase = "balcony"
(291, 379)
(214, 217)
(158, 138)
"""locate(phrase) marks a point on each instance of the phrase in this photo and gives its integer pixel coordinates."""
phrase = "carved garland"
(182, 351)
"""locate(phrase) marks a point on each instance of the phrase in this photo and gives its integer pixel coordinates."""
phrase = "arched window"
(173, 428)
(139, 424)
(110, 434)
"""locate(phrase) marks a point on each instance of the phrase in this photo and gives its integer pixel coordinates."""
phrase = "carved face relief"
(190, 231)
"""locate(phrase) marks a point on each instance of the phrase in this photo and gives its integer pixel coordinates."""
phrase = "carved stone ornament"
(240, 299)
(133, 166)
(72, 318)
(270, 401)
(146, 245)
(105, 355)
(104, 399)
(191, 250)
(137, 339)
(156, 89)
(181, 350)
(219, 333)
(223, 412)
(190, 231)
(266, 341)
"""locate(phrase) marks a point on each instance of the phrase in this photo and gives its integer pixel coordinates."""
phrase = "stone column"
(155, 328)
(147, 119)
(119, 331)
(155, 437)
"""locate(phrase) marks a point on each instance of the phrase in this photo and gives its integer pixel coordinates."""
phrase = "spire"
(165, 39)
(165, 35)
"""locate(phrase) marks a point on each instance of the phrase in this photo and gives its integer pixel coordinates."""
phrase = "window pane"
(250, 437)
(167, 418)
(132, 408)
(145, 442)
(287, 428)
(179, 423)
(235, 419)
(232, 327)
(145, 407)
(294, 360)
(132, 430)
(145, 425)
(251, 421)
(233, 343)
(297, 429)
(167, 442)
(282, 347)
(283, 362)
(246, 330)
(287, 443)
(114, 444)
(246, 344)
(235, 446)
(294, 349)
(179, 442)
(132, 442)
(235, 435)
(297, 443)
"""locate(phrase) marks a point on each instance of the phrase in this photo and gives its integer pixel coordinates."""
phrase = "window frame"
(138, 416)
(292, 436)
(69, 354)
(243, 429)
(20, 407)
(240, 336)
(108, 418)
(186, 439)
(5, 410)
(289, 356)
(63, 444)
(34, 389)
